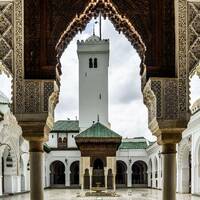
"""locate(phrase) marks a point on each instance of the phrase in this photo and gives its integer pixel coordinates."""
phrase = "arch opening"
(139, 174)
(74, 174)
(121, 176)
(98, 179)
(57, 174)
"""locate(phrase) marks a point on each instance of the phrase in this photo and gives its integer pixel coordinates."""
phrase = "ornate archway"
(168, 112)
(121, 176)
(98, 173)
(139, 174)
(184, 166)
(74, 173)
(57, 176)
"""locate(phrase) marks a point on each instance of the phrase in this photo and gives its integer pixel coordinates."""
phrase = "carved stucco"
(193, 31)
(183, 152)
(171, 94)
(107, 9)
(30, 96)
(6, 35)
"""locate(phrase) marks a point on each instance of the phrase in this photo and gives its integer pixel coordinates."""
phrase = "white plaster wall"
(1, 192)
(155, 156)
(71, 140)
(12, 184)
(193, 131)
(66, 157)
(130, 156)
(52, 142)
(92, 83)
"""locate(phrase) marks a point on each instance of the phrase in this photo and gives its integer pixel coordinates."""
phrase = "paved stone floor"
(124, 194)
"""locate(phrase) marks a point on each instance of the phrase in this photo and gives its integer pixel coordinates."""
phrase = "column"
(1, 186)
(129, 174)
(36, 170)
(106, 177)
(114, 182)
(90, 174)
(169, 171)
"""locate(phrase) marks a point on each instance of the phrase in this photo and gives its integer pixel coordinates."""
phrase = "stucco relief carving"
(150, 101)
(121, 23)
(170, 97)
(19, 59)
(193, 30)
(52, 102)
(6, 34)
(184, 148)
(29, 96)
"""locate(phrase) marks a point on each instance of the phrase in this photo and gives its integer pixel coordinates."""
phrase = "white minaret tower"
(93, 54)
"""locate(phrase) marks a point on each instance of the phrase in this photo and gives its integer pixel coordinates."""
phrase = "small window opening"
(95, 63)
(90, 63)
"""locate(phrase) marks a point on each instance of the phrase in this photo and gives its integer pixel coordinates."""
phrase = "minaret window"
(90, 63)
(95, 63)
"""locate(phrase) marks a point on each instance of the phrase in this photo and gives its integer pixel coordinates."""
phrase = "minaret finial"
(98, 118)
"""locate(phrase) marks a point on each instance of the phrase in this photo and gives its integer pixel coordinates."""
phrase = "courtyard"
(124, 194)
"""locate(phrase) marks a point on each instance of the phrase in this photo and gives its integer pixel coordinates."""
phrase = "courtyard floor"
(124, 194)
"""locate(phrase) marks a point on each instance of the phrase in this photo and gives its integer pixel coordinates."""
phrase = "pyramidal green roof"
(66, 126)
(98, 130)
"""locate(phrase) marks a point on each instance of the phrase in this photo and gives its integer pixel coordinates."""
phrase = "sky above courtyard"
(127, 113)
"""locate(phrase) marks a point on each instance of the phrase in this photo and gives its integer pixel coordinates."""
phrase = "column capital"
(35, 130)
(169, 149)
(36, 146)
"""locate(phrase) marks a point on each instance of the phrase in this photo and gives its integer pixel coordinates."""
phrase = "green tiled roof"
(98, 130)
(66, 126)
(133, 145)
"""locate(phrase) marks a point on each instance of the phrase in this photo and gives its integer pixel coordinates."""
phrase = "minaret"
(93, 55)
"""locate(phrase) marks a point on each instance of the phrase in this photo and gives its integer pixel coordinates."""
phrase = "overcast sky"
(127, 113)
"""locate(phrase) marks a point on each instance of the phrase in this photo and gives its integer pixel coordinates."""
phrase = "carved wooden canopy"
(148, 24)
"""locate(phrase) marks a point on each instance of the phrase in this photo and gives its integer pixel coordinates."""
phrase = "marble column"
(1, 184)
(114, 182)
(90, 174)
(106, 177)
(36, 170)
(169, 171)
(129, 176)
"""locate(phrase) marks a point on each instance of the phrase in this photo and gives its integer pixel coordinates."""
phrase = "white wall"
(52, 142)
(93, 82)
(71, 140)
(66, 157)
